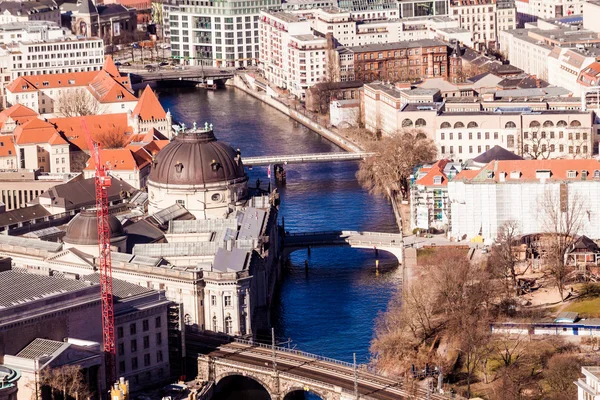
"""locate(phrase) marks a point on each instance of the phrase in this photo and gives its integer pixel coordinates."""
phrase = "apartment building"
(465, 127)
(566, 65)
(291, 57)
(588, 388)
(216, 33)
(484, 19)
(27, 31)
(523, 192)
(401, 61)
(525, 52)
(429, 205)
(551, 9)
(420, 8)
(19, 11)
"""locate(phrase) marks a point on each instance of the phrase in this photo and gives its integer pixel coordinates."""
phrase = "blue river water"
(331, 310)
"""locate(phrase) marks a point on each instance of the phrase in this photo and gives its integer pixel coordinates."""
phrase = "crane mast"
(102, 182)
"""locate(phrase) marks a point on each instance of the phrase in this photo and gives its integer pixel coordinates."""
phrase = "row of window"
(133, 344)
(534, 149)
(398, 53)
(134, 361)
(133, 327)
(460, 136)
(561, 134)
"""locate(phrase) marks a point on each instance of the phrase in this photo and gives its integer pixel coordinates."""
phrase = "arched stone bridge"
(390, 242)
(329, 379)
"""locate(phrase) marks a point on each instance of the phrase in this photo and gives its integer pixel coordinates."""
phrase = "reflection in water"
(332, 309)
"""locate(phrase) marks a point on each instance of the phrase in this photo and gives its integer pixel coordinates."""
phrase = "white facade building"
(19, 11)
(588, 388)
(525, 52)
(565, 65)
(484, 19)
(291, 57)
(221, 34)
(502, 191)
(550, 9)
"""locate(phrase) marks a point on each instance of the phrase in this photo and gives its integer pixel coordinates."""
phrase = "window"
(472, 124)
(228, 325)
(495, 135)
(214, 324)
(133, 346)
(120, 332)
(445, 125)
(442, 136)
(470, 149)
(459, 149)
(437, 180)
(157, 322)
(121, 349)
(451, 136)
(470, 135)
(146, 342)
(561, 148)
(146, 360)
(597, 174)
(478, 135)
(443, 149)
(145, 325)
(132, 329)
(570, 149)
(227, 301)
(121, 366)
(159, 356)
(571, 174)
(213, 300)
(158, 338)
(134, 363)
(459, 125)
(487, 136)
(510, 125)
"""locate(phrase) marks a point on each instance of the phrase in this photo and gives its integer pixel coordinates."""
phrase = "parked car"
(117, 64)
(163, 63)
(241, 68)
(150, 67)
(127, 64)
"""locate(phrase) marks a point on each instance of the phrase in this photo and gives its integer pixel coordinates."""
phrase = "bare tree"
(115, 138)
(503, 260)
(563, 217)
(67, 380)
(474, 344)
(76, 103)
(397, 156)
(562, 370)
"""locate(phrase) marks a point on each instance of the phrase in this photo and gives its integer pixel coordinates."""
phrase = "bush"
(590, 290)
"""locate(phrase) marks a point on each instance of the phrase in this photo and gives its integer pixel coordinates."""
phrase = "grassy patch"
(587, 308)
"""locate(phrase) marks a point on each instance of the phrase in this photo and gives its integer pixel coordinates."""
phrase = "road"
(337, 374)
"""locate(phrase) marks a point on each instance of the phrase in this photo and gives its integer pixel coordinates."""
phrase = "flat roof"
(399, 45)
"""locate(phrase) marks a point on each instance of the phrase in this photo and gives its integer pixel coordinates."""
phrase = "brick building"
(401, 61)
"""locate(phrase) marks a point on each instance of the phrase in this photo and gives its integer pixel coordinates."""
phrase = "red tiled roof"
(147, 137)
(121, 159)
(436, 169)
(108, 90)
(466, 174)
(7, 146)
(31, 83)
(18, 113)
(528, 169)
(37, 131)
(97, 124)
(110, 67)
(148, 107)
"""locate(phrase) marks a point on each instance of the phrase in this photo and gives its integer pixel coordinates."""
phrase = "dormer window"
(437, 180)
(178, 167)
(542, 174)
(45, 83)
(24, 87)
(490, 174)
(502, 176)
(584, 175)
(120, 96)
(515, 175)
(71, 81)
(215, 166)
(597, 174)
(571, 174)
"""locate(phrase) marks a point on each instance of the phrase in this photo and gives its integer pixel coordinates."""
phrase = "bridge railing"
(345, 233)
(297, 352)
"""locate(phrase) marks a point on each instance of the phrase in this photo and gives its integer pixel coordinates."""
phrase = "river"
(331, 310)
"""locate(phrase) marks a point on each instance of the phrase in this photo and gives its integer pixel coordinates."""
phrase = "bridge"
(304, 158)
(282, 371)
(189, 75)
(391, 242)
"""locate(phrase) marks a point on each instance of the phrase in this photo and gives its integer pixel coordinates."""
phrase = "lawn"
(587, 308)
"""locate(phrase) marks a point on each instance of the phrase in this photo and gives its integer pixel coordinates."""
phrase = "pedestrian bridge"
(304, 158)
(282, 371)
(192, 74)
(390, 242)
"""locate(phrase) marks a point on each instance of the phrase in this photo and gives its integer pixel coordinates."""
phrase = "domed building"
(201, 173)
(82, 233)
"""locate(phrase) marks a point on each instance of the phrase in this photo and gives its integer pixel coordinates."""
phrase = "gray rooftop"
(19, 287)
(30, 243)
(252, 223)
(121, 289)
(201, 225)
(230, 261)
(41, 348)
(398, 45)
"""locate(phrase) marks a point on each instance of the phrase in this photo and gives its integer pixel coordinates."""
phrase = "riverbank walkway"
(282, 371)
(305, 158)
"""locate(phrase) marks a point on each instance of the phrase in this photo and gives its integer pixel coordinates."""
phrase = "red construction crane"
(103, 182)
